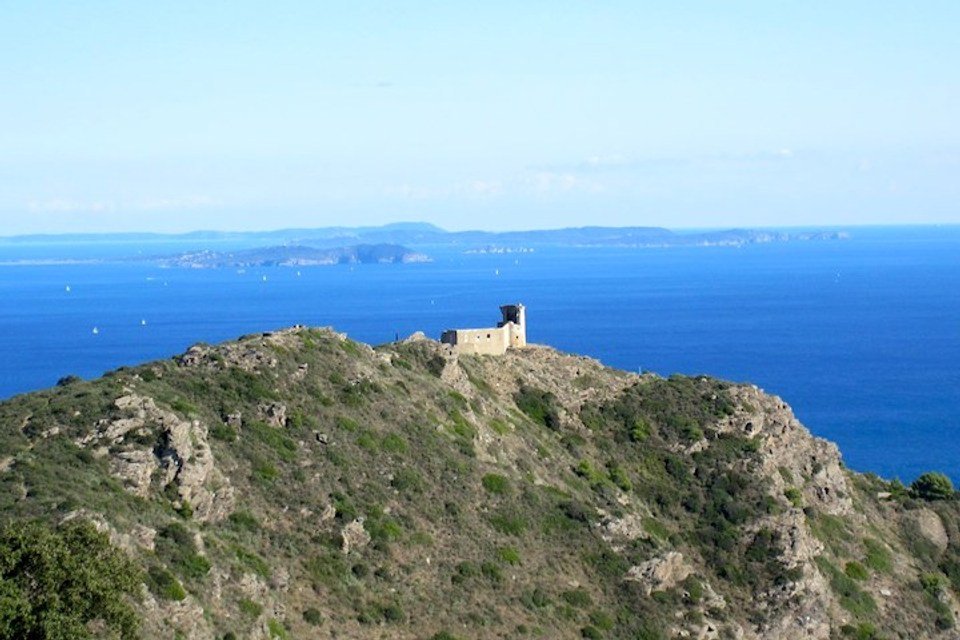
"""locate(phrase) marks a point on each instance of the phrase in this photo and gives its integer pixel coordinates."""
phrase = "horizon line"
(437, 228)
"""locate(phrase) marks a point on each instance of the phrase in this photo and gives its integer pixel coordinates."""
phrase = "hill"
(297, 484)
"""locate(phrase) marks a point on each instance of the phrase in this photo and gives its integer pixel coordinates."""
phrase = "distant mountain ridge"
(421, 234)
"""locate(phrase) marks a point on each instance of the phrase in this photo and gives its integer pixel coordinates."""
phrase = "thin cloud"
(66, 205)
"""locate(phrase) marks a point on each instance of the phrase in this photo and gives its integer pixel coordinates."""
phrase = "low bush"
(932, 486)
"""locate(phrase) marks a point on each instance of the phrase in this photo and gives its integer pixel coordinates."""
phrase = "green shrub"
(274, 438)
(601, 620)
(932, 486)
(539, 405)
(491, 571)
(577, 598)
(655, 528)
(407, 480)
(851, 596)
(500, 427)
(265, 472)
(464, 571)
(536, 598)
(591, 632)
(496, 484)
(640, 430)
(934, 585)
(244, 520)
(694, 589)
(588, 472)
(183, 407)
(856, 571)
(313, 616)
(347, 424)
(862, 631)
(878, 556)
(176, 546)
(277, 630)
(794, 496)
(508, 555)
(367, 441)
(392, 443)
(223, 432)
(164, 584)
(620, 478)
(252, 561)
(250, 608)
(508, 524)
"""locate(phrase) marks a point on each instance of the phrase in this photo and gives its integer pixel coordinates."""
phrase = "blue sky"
(174, 116)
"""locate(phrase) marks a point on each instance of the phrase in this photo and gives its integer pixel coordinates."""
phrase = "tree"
(932, 486)
(54, 582)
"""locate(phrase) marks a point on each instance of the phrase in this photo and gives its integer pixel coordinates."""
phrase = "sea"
(860, 336)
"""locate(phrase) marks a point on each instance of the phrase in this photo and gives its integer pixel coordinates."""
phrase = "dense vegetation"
(64, 583)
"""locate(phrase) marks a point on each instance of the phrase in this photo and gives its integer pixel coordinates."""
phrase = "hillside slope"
(298, 484)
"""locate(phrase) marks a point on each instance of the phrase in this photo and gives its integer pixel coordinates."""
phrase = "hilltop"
(298, 484)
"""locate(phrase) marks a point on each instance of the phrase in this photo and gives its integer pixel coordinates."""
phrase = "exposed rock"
(928, 524)
(139, 536)
(787, 447)
(274, 413)
(186, 615)
(329, 513)
(626, 528)
(194, 356)
(181, 456)
(135, 469)
(354, 536)
(660, 574)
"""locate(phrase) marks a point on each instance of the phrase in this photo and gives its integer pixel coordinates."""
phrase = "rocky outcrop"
(154, 448)
(274, 414)
(354, 536)
(660, 573)
(928, 525)
(791, 456)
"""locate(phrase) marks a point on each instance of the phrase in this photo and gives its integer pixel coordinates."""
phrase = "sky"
(175, 116)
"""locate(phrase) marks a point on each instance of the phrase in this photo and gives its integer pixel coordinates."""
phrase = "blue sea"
(861, 337)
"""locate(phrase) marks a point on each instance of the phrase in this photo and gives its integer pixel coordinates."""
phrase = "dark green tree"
(61, 583)
(932, 486)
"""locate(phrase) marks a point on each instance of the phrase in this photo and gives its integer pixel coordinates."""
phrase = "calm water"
(861, 337)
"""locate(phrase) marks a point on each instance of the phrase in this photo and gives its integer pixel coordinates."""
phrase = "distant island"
(294, 256)
(398, 243)
(421, 235)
